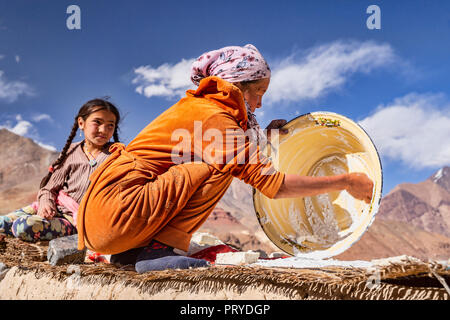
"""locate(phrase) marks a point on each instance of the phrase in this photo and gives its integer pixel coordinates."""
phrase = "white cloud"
(165, 81)
(259, 113)
(325, 68)
(414, 129)
(22, 127)
(46, 146)
(17, 58)
(11, 90)
(25, 128)
(41, 117)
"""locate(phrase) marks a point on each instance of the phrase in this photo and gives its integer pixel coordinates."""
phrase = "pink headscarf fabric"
(233, 64)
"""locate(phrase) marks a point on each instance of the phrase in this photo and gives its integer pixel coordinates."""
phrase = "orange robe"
(144, 192)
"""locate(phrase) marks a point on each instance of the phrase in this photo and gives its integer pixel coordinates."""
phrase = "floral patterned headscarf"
(234, 64)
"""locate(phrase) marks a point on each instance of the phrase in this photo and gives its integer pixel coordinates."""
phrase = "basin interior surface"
(320, 144)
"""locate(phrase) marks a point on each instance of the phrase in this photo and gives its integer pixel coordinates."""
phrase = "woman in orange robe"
(156, 192)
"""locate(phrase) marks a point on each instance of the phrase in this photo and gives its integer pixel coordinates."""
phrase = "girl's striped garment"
(72, 177)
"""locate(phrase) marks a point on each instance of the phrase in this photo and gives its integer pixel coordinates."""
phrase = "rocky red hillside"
(425, 205)
(230, 230)
(23, 163)
(389, 238)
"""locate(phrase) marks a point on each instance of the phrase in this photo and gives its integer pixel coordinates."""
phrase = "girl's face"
(98, 127)
(254, 92)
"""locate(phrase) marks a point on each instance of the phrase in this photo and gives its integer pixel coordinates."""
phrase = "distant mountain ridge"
(425, 205)
(23, 164)
(442, 178)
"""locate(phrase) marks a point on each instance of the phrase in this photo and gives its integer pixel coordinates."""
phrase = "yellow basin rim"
(320, 144)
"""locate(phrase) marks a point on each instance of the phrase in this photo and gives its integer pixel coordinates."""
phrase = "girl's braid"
(62, 156)
(116, 135)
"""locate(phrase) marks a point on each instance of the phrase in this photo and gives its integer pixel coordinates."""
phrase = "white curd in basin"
(320, 144)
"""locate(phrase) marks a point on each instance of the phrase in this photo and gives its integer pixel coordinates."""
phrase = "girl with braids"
(54, 213)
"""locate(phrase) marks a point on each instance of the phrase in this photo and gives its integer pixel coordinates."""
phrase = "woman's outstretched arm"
(357, 184)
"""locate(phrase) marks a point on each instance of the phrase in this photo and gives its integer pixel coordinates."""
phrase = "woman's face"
(254, 92)
(98, 127)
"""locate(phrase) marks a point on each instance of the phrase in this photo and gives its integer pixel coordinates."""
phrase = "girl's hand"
(46, 211)
(360, 186)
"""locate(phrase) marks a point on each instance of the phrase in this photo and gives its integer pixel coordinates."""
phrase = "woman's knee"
(197, 172)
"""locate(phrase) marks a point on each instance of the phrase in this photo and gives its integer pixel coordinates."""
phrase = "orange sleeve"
(227, 148)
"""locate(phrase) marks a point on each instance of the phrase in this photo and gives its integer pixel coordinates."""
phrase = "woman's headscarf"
(234, 64)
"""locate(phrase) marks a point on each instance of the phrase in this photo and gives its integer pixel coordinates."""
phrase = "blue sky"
(393, 81)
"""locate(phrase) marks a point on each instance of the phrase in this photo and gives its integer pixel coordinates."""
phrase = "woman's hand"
(276, 124)
(360, 186)
(46, 211)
